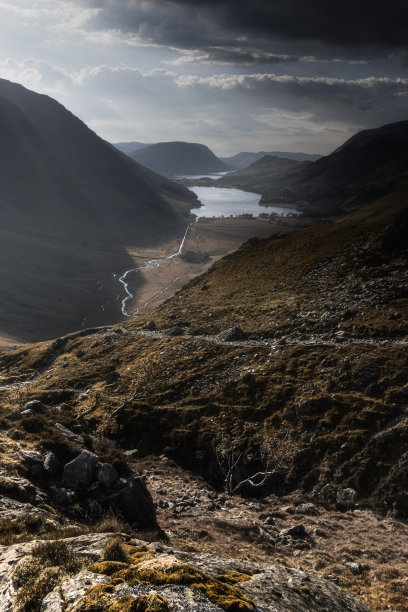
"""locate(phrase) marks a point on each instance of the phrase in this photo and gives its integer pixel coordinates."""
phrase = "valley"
(213, 415)
(287, 360)
(207, 240)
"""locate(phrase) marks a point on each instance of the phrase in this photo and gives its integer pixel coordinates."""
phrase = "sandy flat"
(216, 237)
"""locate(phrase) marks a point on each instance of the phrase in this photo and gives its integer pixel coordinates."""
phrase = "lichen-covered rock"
(30, 456)
(52, 465)
(135, 503)
(35, 406)
(184, 582)
(346, 495)
(70, 435)
(233, 334)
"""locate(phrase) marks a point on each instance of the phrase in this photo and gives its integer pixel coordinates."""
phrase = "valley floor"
(211, 239)
(150, 287)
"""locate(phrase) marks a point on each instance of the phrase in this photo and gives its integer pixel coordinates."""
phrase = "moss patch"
(147, 568)
(233, 577)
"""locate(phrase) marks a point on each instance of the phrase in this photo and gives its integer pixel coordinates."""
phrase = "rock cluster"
(85, 476)
(85, 482)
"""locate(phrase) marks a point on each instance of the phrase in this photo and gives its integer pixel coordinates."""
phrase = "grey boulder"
(79, 473)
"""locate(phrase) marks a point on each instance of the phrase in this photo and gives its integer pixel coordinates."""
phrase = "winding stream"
(151, 263)
(215, 202)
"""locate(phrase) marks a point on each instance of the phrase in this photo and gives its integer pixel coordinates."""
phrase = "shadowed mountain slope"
(70, 203)
(172, 158)
(261, 173)
(369, 165)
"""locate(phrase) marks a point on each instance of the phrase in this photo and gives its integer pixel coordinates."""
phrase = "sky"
(289, 75)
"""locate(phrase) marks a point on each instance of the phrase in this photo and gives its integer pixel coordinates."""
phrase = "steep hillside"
(173, 158)
(124, 196)
(366, 167)
(280, 374)
(318, 362)
(70, 204)
(261, 173)
(245, 159)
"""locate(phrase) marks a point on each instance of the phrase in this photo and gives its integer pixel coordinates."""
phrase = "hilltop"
(173, 158)
(71, 207)
(129, 147)
(244, 159)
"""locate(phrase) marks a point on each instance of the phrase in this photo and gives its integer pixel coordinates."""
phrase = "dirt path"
(273, 344)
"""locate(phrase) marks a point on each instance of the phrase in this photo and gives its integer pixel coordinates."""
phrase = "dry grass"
(33, 527)
(37, 574)
(115, 551)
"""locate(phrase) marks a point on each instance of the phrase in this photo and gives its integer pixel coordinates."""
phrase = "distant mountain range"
(243, 160)
(69, 203)
(174, 158)
(367, 166)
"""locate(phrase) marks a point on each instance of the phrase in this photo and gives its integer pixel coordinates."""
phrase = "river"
(216, 202)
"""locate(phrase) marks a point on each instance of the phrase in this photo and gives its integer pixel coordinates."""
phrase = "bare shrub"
(275, 450)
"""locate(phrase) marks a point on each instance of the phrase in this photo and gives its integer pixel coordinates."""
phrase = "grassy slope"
(336, 405)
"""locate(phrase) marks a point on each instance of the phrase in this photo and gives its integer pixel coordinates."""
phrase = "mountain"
(395, 130)
(70, 203)
(367, 166)
(129, 147)
(370, 164)
(244, 159)
(261, 173)
(257, 177)
(173, 158)
(300, 336)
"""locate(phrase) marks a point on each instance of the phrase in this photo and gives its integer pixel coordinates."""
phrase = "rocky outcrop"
(176, 580)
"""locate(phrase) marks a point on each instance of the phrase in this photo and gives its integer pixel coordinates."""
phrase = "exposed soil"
(359, 550)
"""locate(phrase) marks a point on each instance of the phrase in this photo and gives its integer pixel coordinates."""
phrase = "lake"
(221, 202)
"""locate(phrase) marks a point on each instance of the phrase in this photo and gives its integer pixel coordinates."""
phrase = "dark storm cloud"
(370, 101)
(325, 28)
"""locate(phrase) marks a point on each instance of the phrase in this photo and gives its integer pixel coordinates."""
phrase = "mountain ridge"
(244, 159)
(367, 166)
(178, 157)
